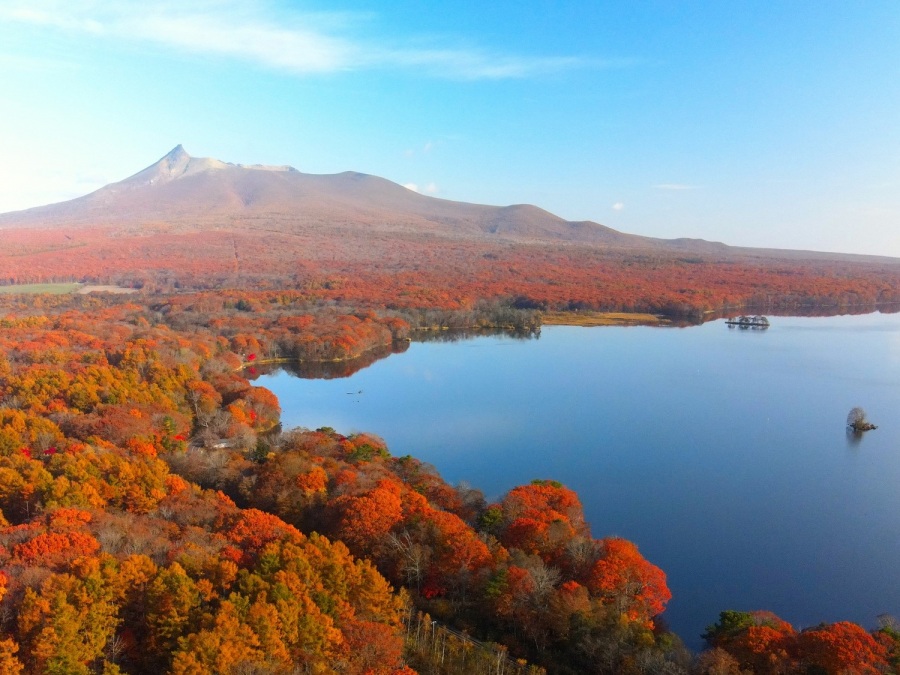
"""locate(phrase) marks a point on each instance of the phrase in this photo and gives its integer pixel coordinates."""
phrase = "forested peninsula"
(156, 518)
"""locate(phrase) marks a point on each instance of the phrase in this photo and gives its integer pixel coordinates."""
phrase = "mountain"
(190, 193)
(189, 222)
(182, 194)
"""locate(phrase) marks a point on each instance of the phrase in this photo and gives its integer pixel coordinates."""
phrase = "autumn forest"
(156, 518)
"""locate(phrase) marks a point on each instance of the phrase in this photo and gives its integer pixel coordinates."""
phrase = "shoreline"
(591, 319)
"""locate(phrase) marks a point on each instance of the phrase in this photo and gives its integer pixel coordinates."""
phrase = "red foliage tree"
(363, 521)
(542, 518)
(624, 579)
(842, 647)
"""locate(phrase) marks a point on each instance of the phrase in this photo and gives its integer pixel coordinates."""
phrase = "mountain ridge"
(179, 189)
(194, 194)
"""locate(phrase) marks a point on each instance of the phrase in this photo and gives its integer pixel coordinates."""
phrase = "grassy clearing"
(63, 289)
(602, 319)
(84, 290)
(33, 289)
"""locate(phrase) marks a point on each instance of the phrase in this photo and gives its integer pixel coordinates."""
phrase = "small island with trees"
(857, 420)
(757, 322)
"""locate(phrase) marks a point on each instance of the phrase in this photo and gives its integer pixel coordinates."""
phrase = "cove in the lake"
(722, 453)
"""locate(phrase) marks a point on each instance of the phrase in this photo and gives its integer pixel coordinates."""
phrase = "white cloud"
(676, 186)
(429, 189)
(254, 31)
(618, 206)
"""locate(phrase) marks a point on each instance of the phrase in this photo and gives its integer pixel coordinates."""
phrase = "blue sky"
(753, 123)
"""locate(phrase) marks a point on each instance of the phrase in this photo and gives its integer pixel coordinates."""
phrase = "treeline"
(153, 519)
(409, 271)
(483, 315)
(760, 642)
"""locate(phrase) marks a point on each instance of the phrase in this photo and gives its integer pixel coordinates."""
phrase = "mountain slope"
(197, 193)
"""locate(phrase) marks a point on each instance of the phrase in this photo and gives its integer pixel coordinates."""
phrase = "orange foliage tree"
(624, 579)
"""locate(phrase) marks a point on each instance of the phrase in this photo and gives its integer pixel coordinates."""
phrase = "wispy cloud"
(676, 186)
(426, 149)
(618, 206)
(29, 64)
(300, 43)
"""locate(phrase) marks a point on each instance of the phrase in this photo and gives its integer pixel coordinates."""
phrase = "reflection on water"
(854, 437)
(460, 335)
(722, 454)
(326, 370)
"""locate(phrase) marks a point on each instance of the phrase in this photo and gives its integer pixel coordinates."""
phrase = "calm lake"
(721, 452)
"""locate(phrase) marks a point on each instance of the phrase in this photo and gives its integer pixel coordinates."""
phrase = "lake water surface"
(721, 452)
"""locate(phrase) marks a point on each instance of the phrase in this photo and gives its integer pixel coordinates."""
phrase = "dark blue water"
(722, 453)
